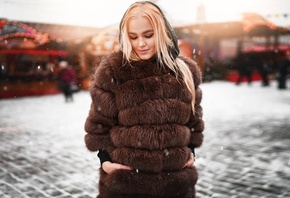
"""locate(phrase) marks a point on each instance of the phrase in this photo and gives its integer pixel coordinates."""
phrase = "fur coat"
(141, 115)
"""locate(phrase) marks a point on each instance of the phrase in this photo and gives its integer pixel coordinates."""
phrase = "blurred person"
(145, 118)
(67, 79)
(264, 70)
(244, 69)
(283, 71)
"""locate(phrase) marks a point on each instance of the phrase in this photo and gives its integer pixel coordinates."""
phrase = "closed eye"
(148, 36)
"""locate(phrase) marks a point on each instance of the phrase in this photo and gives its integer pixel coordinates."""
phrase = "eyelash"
(149, 36)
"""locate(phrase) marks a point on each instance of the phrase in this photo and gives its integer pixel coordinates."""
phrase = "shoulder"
(194, 68)
(109, 63)
(112, 60)
(104, 73)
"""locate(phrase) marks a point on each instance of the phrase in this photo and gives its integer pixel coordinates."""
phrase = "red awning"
(262, 48)
(38, 52)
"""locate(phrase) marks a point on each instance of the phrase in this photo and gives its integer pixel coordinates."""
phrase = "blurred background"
(242, 48)
(36, 35)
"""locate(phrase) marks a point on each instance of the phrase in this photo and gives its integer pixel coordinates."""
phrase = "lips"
(143, 51)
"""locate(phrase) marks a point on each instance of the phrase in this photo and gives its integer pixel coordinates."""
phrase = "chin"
(145, 57)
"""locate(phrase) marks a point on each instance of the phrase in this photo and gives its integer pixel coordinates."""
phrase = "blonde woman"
(145, 118)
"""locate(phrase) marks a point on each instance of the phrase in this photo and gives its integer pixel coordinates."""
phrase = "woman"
(145, 118)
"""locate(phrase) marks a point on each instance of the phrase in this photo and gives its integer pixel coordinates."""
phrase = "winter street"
(245, 151)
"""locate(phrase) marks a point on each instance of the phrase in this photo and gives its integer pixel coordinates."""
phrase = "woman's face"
(141, 36)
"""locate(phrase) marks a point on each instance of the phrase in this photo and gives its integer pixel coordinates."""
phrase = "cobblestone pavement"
(245, 152)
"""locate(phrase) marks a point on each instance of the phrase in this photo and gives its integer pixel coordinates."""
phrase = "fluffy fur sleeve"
(103, 112)
(196, 123)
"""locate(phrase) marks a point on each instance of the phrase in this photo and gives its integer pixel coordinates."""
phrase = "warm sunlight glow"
(227, 10)
(105, 13)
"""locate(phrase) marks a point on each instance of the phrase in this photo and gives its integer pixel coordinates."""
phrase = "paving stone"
(241, 157)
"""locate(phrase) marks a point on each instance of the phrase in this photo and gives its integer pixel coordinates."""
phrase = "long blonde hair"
(165, 40)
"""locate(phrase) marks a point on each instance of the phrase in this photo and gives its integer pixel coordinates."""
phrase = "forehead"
(139, 24)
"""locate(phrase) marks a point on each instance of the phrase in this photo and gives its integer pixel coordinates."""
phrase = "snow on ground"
(221, 101)
(247, 131)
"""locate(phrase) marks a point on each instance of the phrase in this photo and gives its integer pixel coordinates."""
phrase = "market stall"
(28, 60)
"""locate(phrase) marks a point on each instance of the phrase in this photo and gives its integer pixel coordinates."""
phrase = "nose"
(142, 43)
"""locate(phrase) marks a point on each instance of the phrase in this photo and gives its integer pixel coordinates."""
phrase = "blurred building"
(216, 45)
(30, 52)
(201, 15)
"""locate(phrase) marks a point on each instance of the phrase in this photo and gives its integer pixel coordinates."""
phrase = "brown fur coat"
(141, 114)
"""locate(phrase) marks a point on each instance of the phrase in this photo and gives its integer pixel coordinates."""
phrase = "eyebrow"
(145, 32)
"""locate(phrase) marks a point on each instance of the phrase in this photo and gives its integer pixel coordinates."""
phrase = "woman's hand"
(190, 162)
(110, 167)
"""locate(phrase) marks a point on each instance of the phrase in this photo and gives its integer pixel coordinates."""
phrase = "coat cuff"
(104, 156)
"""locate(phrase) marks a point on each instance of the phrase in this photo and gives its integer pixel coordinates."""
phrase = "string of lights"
(14, 29)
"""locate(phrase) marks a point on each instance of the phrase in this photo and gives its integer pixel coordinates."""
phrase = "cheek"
(134, 44)
(152, 43)
(153, 46)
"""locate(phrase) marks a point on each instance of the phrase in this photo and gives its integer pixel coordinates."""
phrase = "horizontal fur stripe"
(98, 120)
(196, 139)
(92, 127)
(167, 184)
(133, 93)
(152, 161)
(151, 137)
(98, 142)
(156, 112)
(175, 158)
